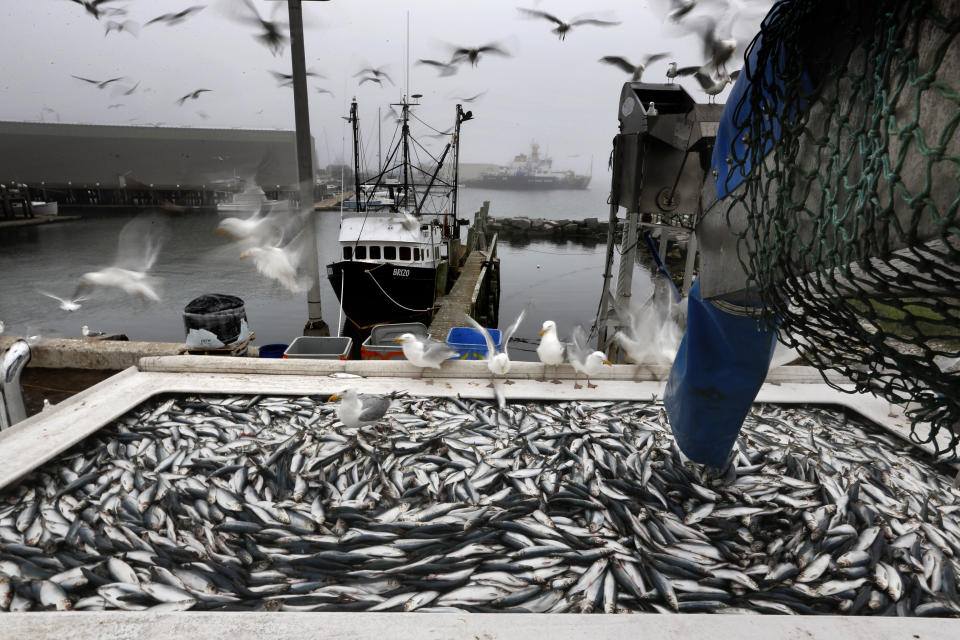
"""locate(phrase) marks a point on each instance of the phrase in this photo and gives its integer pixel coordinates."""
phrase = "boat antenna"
(406, 81)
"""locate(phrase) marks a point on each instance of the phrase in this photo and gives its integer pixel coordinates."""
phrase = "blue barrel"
(273, 350)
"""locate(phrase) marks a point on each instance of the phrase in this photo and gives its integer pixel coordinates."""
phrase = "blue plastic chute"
(722, 361)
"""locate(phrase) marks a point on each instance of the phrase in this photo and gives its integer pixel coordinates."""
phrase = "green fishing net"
(847, 219)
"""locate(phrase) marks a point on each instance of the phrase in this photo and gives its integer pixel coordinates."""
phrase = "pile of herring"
(270, 503)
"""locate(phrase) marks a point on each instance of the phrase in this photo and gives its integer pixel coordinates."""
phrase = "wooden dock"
(331, 204)
(476, 291)
(34, 221)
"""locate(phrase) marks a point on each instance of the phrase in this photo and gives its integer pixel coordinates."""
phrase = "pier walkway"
(463, 297)
(34, 221)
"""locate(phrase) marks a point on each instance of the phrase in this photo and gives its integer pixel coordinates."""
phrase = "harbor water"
(562, 281)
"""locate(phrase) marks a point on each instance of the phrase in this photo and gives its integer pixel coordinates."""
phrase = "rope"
(369, 272)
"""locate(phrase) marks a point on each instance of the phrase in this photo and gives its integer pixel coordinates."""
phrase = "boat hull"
(527, 183)
(387, 292)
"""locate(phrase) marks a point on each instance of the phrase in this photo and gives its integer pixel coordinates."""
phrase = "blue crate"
(470, 344)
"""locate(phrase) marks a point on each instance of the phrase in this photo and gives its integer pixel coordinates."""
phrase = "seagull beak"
(607, 362)
(398, 340)
(542, 331)
(243, 255)
(220, 230)
(335, 396)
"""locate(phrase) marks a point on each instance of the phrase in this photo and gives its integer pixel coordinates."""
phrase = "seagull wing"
(533, 13)
(595, 22)
(735, 74)
(705, 81)
(85, 79)
(618, 62)
(580, 347)
(494, 48)
(653, 57)
(50, 295)
(512, 329)
(687, 71)
(373, 407)
(385, 75)
(438, 351)
(377, 80)
(491, 347)
(139, 242)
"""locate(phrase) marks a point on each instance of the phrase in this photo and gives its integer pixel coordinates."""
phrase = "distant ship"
(533, 172)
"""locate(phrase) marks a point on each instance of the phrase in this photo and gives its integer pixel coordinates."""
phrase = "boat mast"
(456, 168)
(405, 133)
(355, 123)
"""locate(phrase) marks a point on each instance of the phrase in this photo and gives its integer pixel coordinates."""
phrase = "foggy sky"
(551, 91)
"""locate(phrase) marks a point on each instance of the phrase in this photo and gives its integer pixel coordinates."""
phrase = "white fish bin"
(222, 497)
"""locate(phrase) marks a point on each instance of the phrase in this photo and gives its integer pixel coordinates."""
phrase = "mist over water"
(563, 280)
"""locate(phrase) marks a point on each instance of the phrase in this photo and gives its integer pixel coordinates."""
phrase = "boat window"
(405, 253)
(348, 253)
(416, 255)
(389, 253)
(360, 253)
(427, 253)
(374, 253)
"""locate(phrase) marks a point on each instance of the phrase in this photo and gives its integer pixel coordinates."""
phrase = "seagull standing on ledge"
(583, 360)
(90, 333)
(359, 410)
(550, 350)
(425, 353)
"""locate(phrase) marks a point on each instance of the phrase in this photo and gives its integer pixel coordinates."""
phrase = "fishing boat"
(400, 231)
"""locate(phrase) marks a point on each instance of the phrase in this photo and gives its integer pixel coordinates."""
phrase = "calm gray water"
(562, 280)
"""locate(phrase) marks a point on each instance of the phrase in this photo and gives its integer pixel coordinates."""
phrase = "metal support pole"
(12, 407)
(691, 261)
(607, 275)
(315, 325)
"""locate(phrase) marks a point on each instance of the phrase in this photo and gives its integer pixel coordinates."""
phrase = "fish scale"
(451, 504)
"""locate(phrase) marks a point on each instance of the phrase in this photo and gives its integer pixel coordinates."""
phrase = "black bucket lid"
(213, 302)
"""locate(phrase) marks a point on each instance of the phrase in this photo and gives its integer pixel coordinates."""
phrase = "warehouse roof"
(57, 153)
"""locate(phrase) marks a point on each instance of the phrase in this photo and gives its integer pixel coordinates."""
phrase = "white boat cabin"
(379, 238)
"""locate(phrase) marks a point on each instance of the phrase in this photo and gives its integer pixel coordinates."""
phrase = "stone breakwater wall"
(588, 228)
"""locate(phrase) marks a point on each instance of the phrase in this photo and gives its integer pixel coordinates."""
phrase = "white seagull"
(138, 247)
(425, 353)
(360, 410)
(498, 362)
(550, 350)
(583, 360)
(65, 303)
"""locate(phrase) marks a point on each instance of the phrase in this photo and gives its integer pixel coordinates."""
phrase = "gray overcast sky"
(552, 91)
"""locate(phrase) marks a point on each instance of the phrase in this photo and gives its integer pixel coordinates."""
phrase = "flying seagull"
(286, 79)
(322, 90)
(471, 98)
(473, 53)
(370, 79)
(498, 362)
(673, 71)
(99, 84)
(271, 34)
(636, 71)
(193, 95)
(376, 72)
(563, 27)
(138, 246)
(131, 27)
(93, 6)
(176, 18)
(717, 51)
(444, 68)
(65, 303)
(131, 89)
